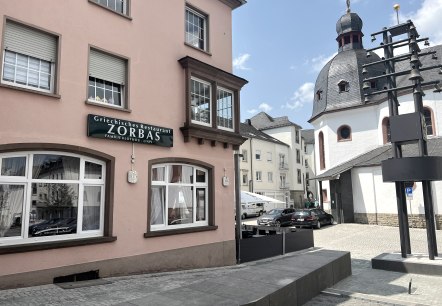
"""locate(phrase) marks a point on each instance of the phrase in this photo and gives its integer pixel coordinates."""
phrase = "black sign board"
(117, 129)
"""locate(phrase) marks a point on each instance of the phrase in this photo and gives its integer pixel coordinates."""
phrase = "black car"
(315, 217)
(277, 217)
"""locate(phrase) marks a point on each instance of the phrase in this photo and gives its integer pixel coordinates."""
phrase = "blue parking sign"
(409, 192)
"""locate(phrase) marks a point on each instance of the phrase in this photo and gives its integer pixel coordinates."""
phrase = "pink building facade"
(119, 120)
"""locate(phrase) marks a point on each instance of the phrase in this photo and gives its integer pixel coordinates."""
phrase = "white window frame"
(125, 10)
(210, 102)
(269, 156)
(270, 177)
(246, 176)
(258, 154)
(205, 28)
(196, 185)
(232, 108)
(27, 181)
(258, 176)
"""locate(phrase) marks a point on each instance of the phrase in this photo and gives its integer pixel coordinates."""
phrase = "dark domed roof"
(344, 71)
(349, 22)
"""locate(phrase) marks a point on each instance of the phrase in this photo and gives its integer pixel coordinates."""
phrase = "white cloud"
(319, 62)
(265, 107)
(252, 111)
(302, 95)
(240, 62)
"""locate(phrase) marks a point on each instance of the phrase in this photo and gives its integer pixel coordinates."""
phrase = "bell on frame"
(437, 88)
(364, 70)
(366, 85)
(415, 74)
(426, 43)
(368, 54)
(367, 99)
(414, 59)
(434, 56)
(373, 38)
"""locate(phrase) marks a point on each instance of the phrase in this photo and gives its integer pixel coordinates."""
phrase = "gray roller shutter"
(31, 42)
(107, 67)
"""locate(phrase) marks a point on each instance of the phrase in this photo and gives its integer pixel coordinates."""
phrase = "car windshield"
(302, 213)
(275, 211)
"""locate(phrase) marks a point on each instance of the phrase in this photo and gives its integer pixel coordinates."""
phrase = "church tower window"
(344, 133)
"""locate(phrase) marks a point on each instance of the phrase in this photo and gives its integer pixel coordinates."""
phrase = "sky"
(280, 46)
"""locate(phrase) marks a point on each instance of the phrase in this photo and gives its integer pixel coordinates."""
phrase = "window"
(346, 39)
(298, 156)
(200, 93)
(344, 133)
(283, 181)
(244, 155)
(270, 177)
(196, 29)
(212, 112)
(179, 196)
(428, 115)
(282, 162)
(318, 95)
(224, 109)
(297, 136)
(269, 156)
(355, 38)
(107, 78)
(29, 58)
(258, 154)
(245, 179)
(386, 131)
(299, 176)
(306, 163)
(305, 149)
(259, 176)
(118, 6)
(307, 180)
(321, 151)
(343, 86)
(67, 199)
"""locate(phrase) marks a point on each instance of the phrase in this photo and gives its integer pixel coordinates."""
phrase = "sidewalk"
(249, 282)
(292, 279)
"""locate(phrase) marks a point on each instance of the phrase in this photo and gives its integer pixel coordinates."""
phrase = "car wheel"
(243, 216)
(318, 225)
(332, 221)
(260, 213)
(278, 223)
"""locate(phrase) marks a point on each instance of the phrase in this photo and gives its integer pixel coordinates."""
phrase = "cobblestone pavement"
(366, 286)
(369, 286)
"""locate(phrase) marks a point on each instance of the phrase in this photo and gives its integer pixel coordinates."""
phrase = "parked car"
(55, 226)
(277, 217)
(311, 217)
(252, 210)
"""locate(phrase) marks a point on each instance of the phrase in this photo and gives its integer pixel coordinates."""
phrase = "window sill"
(111, 10)
(52, 95)
(201, 50)
(108, 106)
(180, 231)
(30, 247)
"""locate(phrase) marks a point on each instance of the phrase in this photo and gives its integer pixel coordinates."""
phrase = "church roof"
(377, 155)
(349, 22)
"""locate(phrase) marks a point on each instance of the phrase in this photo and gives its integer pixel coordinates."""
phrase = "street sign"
(409, 192)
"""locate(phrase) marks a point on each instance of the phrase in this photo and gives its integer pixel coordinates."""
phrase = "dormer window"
(343, 86)
(318, 95)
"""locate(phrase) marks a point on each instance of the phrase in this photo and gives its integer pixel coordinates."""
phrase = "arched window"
(344, 133)
(386, 132)
(343, 86)
(321, 151)
(429, 122)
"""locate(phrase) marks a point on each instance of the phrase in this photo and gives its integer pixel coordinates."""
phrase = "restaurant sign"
(123, 130)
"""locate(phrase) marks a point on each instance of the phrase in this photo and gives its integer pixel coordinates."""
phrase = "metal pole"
(238, 208)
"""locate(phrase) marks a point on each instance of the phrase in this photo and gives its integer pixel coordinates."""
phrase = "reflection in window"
(177, 200)
(428, 120)
(200, 97)
(54, 203)
(224, 109)
(52, 167)
(196, 29)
